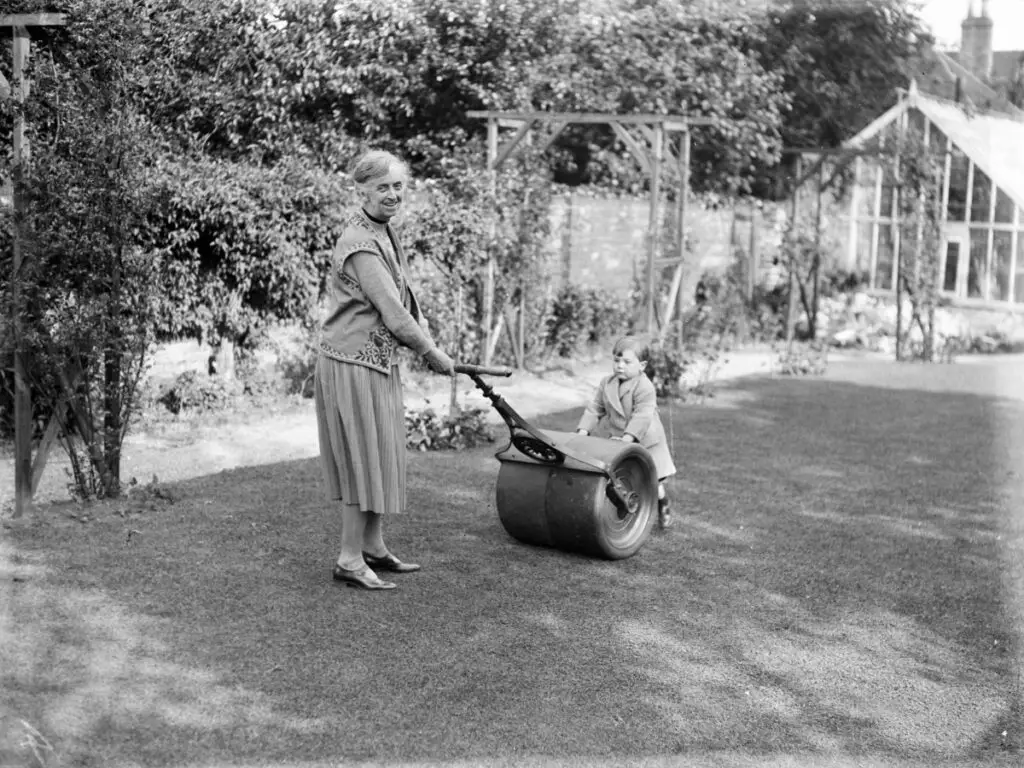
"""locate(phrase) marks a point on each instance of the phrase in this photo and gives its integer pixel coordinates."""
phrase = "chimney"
(976, 42)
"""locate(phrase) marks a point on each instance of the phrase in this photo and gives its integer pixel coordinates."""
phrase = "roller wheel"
(623, 528)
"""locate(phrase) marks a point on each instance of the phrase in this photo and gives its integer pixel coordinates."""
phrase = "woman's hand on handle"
(440, 362)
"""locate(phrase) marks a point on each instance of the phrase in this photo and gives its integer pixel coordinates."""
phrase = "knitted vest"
(353, 331)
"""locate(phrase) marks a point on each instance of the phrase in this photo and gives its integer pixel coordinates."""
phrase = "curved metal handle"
(478, 370)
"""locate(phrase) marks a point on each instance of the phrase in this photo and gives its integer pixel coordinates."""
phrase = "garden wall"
(602, 242)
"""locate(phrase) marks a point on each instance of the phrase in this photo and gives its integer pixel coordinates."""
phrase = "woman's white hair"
(374, 164)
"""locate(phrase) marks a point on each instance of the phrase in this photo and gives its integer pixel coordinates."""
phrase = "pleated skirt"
(361, 422)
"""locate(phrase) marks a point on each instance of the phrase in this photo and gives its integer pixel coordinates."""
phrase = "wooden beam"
(669, 122)
(633, 146)
(555, 133)
(510, 146)
(850, 151)
(652, 253)
(33, 20)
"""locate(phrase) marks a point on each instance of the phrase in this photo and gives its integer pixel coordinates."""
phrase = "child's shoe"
(664, 514)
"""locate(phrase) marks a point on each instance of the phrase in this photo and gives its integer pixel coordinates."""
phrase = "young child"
(627, 402)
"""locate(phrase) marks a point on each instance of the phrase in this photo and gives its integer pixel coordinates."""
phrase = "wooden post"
(489, 275)
(652, 250)
(897, 222)
(754, 219)
(684, 194)
(812, 322)
(19, 91)
(791, 303)
(22, 392)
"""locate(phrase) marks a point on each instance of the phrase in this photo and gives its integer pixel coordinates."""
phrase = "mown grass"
(843, 587)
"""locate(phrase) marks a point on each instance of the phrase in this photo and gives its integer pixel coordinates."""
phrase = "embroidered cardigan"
(355, 330)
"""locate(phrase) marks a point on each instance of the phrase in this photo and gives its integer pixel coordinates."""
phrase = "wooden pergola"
(648, 139)
(26, 475)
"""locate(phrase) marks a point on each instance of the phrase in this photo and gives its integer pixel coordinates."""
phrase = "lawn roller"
(572, 492)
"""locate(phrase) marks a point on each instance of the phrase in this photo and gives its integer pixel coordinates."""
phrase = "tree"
(241, 245)
(841, 62)
(87, 283)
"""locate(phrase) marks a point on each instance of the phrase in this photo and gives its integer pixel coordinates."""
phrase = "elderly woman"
(372, 310)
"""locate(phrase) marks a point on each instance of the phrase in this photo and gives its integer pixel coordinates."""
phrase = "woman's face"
(382, 197)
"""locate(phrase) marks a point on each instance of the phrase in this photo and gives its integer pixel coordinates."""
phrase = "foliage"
(808, 358)
(665, 368)
(582, 316)
(842, 63)
(86, 284)
(269, 80)
(241, 245)
(198, 393)
(427, 431)
(663, 56)
(919, 204)
(460, 222)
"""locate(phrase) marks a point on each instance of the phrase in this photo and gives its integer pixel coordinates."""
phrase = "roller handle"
(482, 370)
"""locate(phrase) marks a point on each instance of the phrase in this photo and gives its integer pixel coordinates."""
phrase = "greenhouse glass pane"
(981, 197)
(1004, 208)
(1018, 278)
(1002, 264)
(866, 182)
(976, 268)
(865, 233)
(884, 259)
(952, 265)
(956, 208)
(888, 191)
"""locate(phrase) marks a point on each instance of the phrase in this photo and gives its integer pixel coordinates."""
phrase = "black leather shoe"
(389, 562)
(664, 514)
(363, 578)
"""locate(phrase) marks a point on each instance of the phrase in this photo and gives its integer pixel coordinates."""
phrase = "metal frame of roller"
(571, 492)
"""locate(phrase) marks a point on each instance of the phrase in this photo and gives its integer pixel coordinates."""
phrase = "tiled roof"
(937, 74)
(995, 143)
(1005, 63)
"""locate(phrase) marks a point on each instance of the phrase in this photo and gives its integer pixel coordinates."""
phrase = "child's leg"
(664, 510)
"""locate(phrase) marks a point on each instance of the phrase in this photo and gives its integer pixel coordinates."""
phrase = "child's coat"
(634, 410)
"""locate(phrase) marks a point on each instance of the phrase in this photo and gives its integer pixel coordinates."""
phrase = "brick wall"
(604, 242)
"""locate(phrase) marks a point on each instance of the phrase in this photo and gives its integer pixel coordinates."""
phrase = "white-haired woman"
(372, 310)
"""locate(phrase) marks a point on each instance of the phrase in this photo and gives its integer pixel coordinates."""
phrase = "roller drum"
(568, 506)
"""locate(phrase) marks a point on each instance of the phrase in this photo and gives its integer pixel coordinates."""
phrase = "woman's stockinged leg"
(353, 526)
(373, 535)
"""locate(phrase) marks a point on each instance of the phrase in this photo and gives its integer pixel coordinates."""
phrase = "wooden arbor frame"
(645, 136)
(26, 475)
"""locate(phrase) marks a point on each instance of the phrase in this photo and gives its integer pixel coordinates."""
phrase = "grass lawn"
(843, 587)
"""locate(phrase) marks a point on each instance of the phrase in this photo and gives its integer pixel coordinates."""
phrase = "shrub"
(803, 359)
(192, 391)
(665, 368)
(582, 315)
(427, 431)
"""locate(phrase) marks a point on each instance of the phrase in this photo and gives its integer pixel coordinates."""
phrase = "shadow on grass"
(844, 581)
